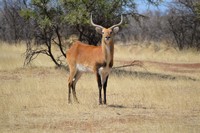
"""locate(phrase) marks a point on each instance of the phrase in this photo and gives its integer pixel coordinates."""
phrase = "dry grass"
(156, 52)
(12, 57)
(35, 99)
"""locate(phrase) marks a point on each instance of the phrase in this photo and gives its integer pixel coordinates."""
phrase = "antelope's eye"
(102, 32)
(111, 32)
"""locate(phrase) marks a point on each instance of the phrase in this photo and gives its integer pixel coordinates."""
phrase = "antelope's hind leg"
(70, 83)
(99, 87)
(75, 80)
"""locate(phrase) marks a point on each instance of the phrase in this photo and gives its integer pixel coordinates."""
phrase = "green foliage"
(44, 13)
(198, 10)
(78, 11)
(77, 16)
(48, 13)
(107, 12)
(27, 14)
(45, 22)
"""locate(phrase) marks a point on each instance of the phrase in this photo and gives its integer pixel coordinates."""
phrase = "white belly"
(83, 68)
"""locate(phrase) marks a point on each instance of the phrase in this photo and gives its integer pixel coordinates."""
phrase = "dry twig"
(133, 63)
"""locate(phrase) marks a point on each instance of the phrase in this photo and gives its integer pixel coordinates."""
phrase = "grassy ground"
(34, 99)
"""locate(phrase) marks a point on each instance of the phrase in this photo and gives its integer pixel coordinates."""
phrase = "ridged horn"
(96, 25)
(118, 23)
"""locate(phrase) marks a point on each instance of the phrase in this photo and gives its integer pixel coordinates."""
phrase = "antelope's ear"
(115, 29)
(98, 30)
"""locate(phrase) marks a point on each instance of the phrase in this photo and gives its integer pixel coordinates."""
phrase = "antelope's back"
(84, 54)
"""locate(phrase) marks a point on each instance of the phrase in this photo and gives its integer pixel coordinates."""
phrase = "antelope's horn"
(118, 23)
(95, 24)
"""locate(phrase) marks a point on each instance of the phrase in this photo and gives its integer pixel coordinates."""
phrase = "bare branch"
(133, 63)
(32, 54)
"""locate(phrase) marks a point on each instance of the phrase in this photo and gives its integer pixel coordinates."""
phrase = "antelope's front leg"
(104, 89)
(104, 78)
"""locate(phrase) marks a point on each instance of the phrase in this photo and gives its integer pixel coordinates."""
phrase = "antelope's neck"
(108, 52)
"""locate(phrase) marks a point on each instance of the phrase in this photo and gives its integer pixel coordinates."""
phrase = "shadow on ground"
(150, 75)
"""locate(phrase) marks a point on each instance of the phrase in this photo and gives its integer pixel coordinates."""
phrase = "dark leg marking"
(69, 93)
(104, 89)
(100, 87)
(74, 94)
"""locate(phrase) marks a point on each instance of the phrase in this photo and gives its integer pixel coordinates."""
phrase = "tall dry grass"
(34, 99)
(12, 57)
(159, 51)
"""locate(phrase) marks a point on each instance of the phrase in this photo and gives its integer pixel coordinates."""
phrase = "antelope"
(83, 57)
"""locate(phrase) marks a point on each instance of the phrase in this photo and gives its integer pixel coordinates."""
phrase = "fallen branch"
(133, 63)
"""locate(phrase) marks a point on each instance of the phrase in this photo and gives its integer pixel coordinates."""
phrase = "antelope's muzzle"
(107, 38)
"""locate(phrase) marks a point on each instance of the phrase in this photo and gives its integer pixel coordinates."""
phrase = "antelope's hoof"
(77, 102)
(69, 101)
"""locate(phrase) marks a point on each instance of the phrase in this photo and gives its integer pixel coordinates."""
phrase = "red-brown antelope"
(98, 59)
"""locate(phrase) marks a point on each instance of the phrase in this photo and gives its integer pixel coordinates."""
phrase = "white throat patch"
(108, 55)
